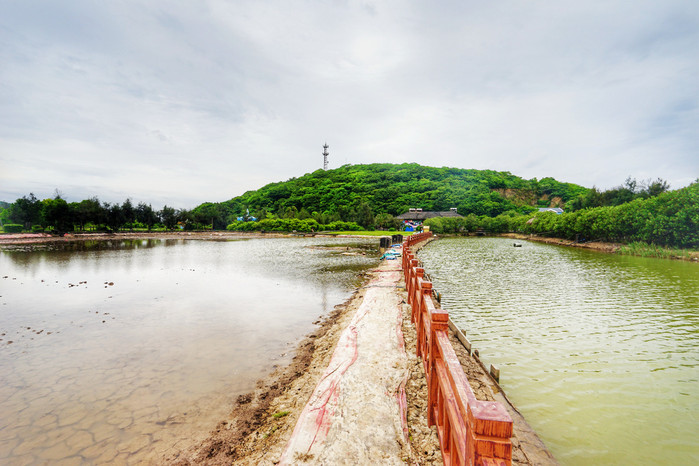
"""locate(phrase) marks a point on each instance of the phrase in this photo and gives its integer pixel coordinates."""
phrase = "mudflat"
(260, 429)
(41, 238)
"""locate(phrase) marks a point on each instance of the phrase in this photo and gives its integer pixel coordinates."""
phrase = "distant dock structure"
(325, 156)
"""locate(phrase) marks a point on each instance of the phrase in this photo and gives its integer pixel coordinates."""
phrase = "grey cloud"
(201, 101)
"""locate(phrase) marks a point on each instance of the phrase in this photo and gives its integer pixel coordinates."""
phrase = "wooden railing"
(417, 237)
(471, 432)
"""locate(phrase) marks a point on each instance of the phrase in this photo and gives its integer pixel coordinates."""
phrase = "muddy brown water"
(122, 351)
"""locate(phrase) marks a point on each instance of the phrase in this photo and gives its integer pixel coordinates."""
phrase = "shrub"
(342, 226)
(13, 228)
(194, 226)
(292, 224)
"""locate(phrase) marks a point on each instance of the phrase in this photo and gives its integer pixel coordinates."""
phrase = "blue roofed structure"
(555, 210)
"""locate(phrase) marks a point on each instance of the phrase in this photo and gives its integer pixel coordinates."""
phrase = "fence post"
(420, 313)
(410, 286)
(418, 274)
(439, 322)
(491, 430)
(408, 272)
(404, 255)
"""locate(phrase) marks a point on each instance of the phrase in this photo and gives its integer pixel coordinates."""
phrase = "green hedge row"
(670, 219)
(293, 224)
(13, 228)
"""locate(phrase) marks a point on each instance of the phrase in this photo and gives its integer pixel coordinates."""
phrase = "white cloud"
(189, 102)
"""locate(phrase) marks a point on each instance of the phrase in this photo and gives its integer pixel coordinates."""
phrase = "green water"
(600, 352)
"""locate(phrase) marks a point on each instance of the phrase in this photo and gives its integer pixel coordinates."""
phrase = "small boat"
(518, 245)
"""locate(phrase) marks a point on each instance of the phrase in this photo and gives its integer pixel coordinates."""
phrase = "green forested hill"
(392, 189)
(369, 196)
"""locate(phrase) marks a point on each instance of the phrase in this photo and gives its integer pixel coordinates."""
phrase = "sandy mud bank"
(262, 422)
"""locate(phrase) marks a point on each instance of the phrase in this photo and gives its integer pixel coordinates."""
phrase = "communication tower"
(325, 156)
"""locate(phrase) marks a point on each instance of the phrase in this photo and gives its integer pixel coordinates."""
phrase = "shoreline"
(44, 238)
(600, 246)
(261, 422)
(20, 239)
(610, 248)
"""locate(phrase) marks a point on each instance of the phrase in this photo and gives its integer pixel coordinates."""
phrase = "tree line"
(630, 190)
(58, 215)
(370, 197)
(670, 219)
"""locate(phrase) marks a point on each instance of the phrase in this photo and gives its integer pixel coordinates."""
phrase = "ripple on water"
(600, 352)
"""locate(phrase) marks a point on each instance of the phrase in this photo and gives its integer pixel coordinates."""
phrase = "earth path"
(356, 418)
(356, 413)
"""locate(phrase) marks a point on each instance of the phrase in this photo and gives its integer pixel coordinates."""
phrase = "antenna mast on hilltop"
(325, 156)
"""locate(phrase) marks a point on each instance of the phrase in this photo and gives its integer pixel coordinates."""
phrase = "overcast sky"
(181, 102)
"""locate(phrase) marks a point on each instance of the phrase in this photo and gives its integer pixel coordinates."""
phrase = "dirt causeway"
(258, 429)
(261, 423)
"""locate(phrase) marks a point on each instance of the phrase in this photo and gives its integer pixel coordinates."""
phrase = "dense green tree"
(128, 212)
(87, 211)
(114, 216)
(627, 192)
(26, 211)
(668, 219)
(387, 222)
(5, 214)
(146, 215)
(186, 218)
(213, 214)
(56, 213)
(168, 217)
(392, 189)
(291, 212)
(293, 224)
(655, 188)
(364, 215)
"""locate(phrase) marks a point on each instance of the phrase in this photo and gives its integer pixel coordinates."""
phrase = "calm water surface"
(120, 351)
(600, 352)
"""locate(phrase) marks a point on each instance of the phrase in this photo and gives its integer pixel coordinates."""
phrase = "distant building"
(413, 218)
(555, 210)
(247, 217)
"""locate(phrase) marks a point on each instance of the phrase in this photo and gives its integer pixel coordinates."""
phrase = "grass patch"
(280, 414)
(369, 233)
(652, 250)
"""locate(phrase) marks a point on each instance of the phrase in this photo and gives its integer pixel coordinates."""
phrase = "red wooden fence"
(471, 432)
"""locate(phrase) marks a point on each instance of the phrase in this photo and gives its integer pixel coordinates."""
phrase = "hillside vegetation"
(356, 197)
(353, 192)
(668, 219)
